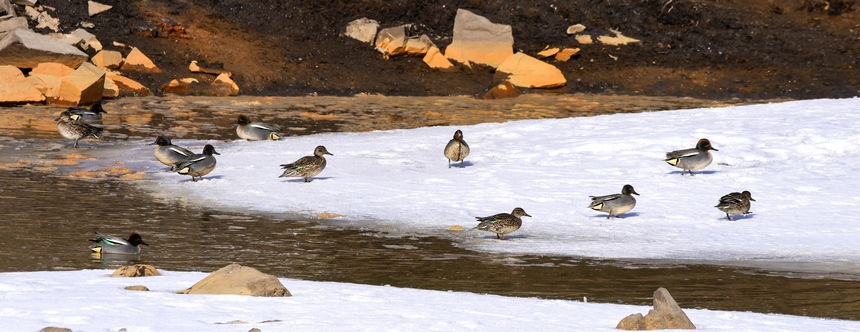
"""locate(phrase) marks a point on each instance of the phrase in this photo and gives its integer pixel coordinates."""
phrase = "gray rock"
(392, 41)
(239, 280)
(363, 29)
(478, 40)
(26, 49)
(7, 26)
(634, 322)
(668, 309)
(55, 329)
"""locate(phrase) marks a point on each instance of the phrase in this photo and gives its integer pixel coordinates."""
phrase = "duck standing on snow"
(170, 154)
(457, 149)
(692, 159)
(197, 165)
(615, 204)
(71, 127)
(307, 166)
(735, 203)
(109, 244)
(256, 131)
(93, 114)
(502, 223)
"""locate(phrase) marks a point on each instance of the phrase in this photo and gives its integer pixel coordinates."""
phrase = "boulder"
(565, 54)
(107, 59)
(12, 24)
(136, 270)
(111, 90)
(83, 86)
(503, 90)
(95, 7)
(15, 88)
(224, 86)
(137, 61)
(574, 29)
(239, 280)
(436, 60)
(6, 9)
(527, 72)
(665, 315)
(420, 45)
(478, 40)
(26, 49)
(127, 86)
(363, 29)
(392, 41)
(584, 39)
(88, 40)
(618, 39)
(48, 85)
(52, 68)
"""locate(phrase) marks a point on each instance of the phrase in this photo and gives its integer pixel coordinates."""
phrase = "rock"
(107, 59)
(527, 72)
(137, 61)
(574, 29)
(88, 40)
(170, 28)
(195, 68)
(83, 86)
(548, 52)
(416, 46)
(95, 7)
(136, 270)
(127, 86)
(618, 39)
(26, 49)
(239, 280)
(68, 39)
(55, 329)
(180, 86)
(665, 315)
(52, 68)
(478, 40)
(48, 85)
(436, 60)
(7, 26)
(141, 288)
(503, 90)
(392, 41)
(87, 25)
(584, 39)
(634, 322)
(255, 330)
(145, 28)
(111, 90)
(15, 88)
(6, 9)
(224, 86)
(43, 19)
(565, 54)
(363, 29)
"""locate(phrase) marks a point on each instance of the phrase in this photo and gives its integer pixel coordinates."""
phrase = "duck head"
(320, 151)
(243, 120)
(628, 190)
(458, 135)
(210, 150)
(136, 240)
(747, 195)
(97, 108)
(162, 141)
(704, 145)
(519, 212)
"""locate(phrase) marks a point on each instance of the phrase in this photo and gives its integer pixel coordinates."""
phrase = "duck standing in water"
(91, 115)
(615, 204)
(694, 159)
(71, 127)
(735, 203)
(307, 166)
(109, 244)
(502, 223)
(170, 154)
(256, 131)
(457, 149)
(197, 165)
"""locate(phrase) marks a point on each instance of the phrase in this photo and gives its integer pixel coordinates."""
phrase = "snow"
(799, 159)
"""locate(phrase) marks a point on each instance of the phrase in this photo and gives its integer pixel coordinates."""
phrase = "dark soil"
(753, 49)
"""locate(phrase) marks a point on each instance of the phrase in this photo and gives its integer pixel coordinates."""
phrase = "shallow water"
(47, 217)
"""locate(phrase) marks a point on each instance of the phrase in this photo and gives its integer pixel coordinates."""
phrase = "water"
(47, 217)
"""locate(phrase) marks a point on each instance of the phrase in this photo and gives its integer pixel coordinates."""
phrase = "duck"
(502, 223)
(457, 149)
(694, 159)
(307, 166)
(109, 244)
(197, 165)
(93, 114)
(615, 204)
(71, 127)
(256, 131)
(170, 154)
(735, 203)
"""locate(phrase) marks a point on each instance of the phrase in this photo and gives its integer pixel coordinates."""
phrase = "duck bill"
(144, 243)
(634, 193)
(234, 123)
(712, 148)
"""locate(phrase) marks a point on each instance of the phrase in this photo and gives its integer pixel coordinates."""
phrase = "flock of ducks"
(76, 124)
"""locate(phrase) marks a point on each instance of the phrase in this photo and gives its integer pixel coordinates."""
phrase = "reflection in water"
(46, 222)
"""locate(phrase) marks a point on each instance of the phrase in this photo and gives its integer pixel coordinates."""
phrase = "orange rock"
(225, 86)
(478, 40)
(527, 72)
(15, 88)
(107, 59)
(565, 54)
(128, 87)
(436, 60)
(503, 90)
(52, 68)
(83, 86)
(548, 52)
(137, 61)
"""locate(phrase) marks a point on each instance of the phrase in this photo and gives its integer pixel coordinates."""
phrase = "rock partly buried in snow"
(527, 72)
(136, 270)
(107, 59)
(503, 90)
(95, 7)
(436, 60)
(15, 88)
(26, 49)
(665, 315)
(392, 41)
(55, 329)
(363, 29)
(239, 280)
(140, 288)
(137, 61)
(478, 40)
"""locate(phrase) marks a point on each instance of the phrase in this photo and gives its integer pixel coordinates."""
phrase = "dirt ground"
(718, 49)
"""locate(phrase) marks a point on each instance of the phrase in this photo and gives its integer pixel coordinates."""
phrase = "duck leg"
(449, 163)
(728, 216)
